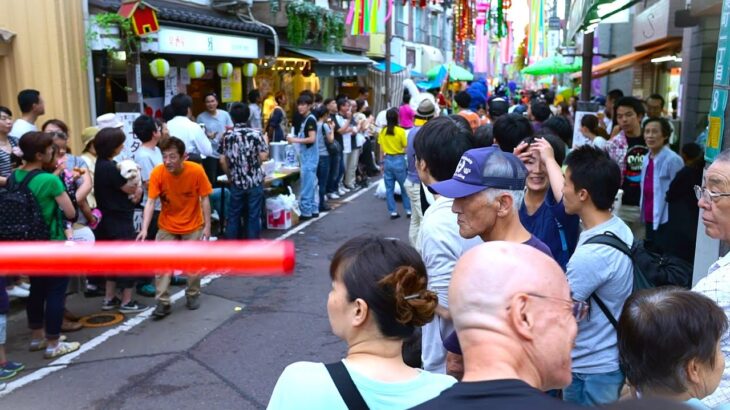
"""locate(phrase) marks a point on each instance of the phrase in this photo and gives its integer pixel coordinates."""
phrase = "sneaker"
(132, 307)
(305, 217)
(161, 310)
(61, 349)
(3, 386)
(394, 215)
(40, 344)
(13, 366)
(24, 285)
(333, 196)
(324, 208)
(18, 292)
(315, 215)
(7, 374)
(341, 191)
(193, 302)
(93, 291)
(97, 214)
(214, 216)
(146, 290)
(408, 215)
(111, 304)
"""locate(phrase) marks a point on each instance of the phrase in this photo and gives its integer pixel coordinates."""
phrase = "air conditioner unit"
(229, 5)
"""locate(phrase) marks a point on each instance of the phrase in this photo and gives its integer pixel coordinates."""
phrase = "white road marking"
(63, 362)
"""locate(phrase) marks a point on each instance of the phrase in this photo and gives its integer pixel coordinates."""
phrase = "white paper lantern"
(250, 70)
(224, 70)
(196, 69)
(159, 68)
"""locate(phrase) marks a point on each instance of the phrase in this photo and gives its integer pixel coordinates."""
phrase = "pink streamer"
(390, 10)
(351, 13)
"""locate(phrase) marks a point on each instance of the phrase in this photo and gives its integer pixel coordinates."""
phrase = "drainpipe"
(249, 18)
(89, 66)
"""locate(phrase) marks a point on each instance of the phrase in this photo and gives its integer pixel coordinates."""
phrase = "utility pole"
(388, 36)
(585, 79)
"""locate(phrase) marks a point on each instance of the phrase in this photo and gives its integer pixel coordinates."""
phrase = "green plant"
(307, 22)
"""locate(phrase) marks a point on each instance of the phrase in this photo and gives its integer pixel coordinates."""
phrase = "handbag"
(345, 386)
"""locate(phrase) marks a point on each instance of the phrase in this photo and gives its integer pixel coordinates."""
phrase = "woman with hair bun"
(378, 298)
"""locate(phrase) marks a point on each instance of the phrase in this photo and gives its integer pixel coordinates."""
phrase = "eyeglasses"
(579, 308)
(704, 193)
(5, 118)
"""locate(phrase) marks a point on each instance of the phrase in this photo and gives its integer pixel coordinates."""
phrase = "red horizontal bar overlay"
(237, 258)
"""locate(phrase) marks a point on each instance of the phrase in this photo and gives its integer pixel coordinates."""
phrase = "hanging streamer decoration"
(368, 16)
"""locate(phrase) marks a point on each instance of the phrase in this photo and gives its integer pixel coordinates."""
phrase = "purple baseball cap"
(471, 175)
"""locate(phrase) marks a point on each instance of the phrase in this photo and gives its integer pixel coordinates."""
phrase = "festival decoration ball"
(196, 69)
(159, 68)
(250, 70)
(224, 70)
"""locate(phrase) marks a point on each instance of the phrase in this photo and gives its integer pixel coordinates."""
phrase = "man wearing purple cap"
(488, 188)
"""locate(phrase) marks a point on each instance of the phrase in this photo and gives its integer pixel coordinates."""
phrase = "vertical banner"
(171, 84)
(721, 86)
(131, 143)
(232, 87)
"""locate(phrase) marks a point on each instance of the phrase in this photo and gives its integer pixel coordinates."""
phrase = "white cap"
(108, 120)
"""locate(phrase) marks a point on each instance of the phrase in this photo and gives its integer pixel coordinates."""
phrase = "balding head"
(511, 308)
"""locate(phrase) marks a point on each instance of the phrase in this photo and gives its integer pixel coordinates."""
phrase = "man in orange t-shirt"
(183, 189)
(463, 100)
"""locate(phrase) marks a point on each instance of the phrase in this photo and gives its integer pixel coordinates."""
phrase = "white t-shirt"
(196, 142)
(307, 385)
(148, 159)
(20, 127)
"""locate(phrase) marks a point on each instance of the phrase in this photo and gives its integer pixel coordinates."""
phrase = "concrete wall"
(615, 39)
(699, 48)
(47, 54)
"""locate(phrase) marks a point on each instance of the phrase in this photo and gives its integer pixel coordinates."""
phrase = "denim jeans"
(594, 389)
(323, 173)
(248, 203)
(334, 171)
(395, 171)
(309, 158)
(46, 303)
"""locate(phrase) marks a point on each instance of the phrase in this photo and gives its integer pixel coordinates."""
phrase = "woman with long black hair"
(393, 141)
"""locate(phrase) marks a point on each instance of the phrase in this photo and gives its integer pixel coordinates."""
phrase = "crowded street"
(225, 356)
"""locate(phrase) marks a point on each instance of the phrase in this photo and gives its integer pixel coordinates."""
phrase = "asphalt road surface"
(226, 355)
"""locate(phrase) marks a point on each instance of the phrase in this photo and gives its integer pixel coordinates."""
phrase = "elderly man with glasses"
(714, 206)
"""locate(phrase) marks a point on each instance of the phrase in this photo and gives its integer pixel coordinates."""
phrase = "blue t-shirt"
(307, 385)
(553, 226)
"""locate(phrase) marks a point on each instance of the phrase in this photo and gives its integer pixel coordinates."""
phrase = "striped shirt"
(5, 164)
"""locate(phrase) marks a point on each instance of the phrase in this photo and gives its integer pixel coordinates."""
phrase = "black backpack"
(651, 269)
(21, 218)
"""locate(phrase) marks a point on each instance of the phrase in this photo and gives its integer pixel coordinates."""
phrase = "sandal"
(97, 214)
(40, 344)
(62, 349)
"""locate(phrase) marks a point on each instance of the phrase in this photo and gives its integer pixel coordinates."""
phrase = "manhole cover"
(101, 319)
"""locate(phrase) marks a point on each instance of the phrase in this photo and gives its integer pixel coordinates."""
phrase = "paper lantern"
(159, 68)
(250, 70)
(196, 69)
(224, 70)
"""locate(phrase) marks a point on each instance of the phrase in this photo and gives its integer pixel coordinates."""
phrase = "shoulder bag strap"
(605, 310)
(352, 397)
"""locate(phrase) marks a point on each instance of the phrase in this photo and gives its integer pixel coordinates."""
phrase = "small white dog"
(131, 172)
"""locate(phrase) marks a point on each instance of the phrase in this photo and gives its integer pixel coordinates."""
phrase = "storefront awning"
(586, 14)
(335, 64)
(324, 57)
(629, 60)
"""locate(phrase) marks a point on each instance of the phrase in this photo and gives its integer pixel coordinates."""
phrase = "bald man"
(516, 330)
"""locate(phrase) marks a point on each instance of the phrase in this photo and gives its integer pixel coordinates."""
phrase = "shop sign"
(656, 23)
(232, 87)
(720, 90)
(189, 42)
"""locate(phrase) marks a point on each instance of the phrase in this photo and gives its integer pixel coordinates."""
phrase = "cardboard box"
(278, 220)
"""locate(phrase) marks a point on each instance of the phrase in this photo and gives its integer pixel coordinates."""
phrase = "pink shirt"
(406, 115)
